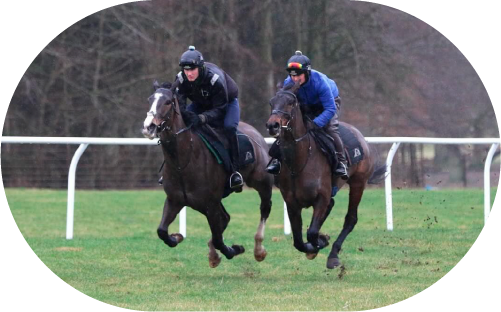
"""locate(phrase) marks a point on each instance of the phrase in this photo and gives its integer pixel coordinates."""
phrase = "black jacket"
(210, 92)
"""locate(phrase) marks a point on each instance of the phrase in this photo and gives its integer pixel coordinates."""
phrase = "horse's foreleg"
(351, 219)
(297, 230)
(170, 212)
(265, 207)
(321, 210)
(218, 220)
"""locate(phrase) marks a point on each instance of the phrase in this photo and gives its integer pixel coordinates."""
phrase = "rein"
(288, 128)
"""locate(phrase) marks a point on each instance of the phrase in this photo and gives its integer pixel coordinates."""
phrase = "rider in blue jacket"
(319, 97)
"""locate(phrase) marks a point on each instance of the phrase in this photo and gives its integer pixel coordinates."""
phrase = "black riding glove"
(190, 118)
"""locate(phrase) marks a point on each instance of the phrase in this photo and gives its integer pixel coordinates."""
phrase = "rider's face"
(191, 73)
(299, 78)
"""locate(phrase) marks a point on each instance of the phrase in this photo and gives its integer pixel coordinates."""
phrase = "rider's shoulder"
(214, 75)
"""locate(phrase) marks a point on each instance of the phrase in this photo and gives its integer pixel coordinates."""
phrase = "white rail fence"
(85, 142)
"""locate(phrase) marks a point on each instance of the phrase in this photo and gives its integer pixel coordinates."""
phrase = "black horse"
(305, 180)
(193, 177)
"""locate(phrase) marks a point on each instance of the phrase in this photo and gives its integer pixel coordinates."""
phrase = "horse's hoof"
(332, 263)
(311, 256)
(260, 256)
(214, 262)
(239, 249)
(323, 240)
(325, 236)
(178, 237)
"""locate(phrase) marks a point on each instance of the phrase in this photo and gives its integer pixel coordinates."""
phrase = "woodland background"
(397, 77)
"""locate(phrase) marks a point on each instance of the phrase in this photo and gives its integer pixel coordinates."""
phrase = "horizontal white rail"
(85, 141)
(141, 141)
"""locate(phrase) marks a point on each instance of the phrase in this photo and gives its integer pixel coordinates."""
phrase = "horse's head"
(282, 106)
(162, 109)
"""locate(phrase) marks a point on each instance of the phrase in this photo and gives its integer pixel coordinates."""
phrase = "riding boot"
(274, 165)
(342, 166)
(236, 179)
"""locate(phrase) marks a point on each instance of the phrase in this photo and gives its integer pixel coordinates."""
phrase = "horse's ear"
(174, 85)
(295, 87)
(166, 85)
(156, 85)
(280, 85)
(292, 87)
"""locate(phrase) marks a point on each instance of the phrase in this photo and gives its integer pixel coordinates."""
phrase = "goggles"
(295, 65)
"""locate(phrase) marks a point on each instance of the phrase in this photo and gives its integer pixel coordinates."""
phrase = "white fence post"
(182, 222)
(71, 190)
(487, 181)
(387, 186)
(287, 222)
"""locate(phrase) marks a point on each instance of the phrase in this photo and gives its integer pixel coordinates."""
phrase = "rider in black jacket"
(214, 100)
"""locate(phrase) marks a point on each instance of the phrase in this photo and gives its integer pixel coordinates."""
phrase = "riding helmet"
(191, 59)
(298, 64)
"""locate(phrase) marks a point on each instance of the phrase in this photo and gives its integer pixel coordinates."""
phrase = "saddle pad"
(353, 149)
(351, 145)
(222, 155)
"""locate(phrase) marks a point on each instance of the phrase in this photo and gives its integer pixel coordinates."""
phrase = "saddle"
(353, 150)
(218, 144)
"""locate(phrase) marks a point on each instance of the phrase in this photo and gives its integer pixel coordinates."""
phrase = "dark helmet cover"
(191, 59)
(298, 64)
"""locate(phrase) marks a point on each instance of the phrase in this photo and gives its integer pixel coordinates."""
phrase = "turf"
(116, 256)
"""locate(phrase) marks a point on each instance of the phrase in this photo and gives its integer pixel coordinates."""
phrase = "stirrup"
(342, 171)
(161, 180)
(239, 183)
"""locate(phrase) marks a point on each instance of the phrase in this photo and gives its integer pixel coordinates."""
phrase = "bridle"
(171, 145)
(167, 126)
(164, 125)
(287, 127)
(289, 116)
(284, 113)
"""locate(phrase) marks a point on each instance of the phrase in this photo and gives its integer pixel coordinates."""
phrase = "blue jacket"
(319, 92)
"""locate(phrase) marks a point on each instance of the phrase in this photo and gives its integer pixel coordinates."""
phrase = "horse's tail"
(379, 173)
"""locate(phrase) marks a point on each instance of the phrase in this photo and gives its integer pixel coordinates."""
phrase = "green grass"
(116, 257)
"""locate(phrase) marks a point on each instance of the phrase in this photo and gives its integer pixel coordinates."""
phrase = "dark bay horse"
(305, 179)
(192, 176)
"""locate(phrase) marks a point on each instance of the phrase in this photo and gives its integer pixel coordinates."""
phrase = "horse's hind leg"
(170, 212)
(218, 219)
(356, 192)
(265, 208)
(214, 258)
